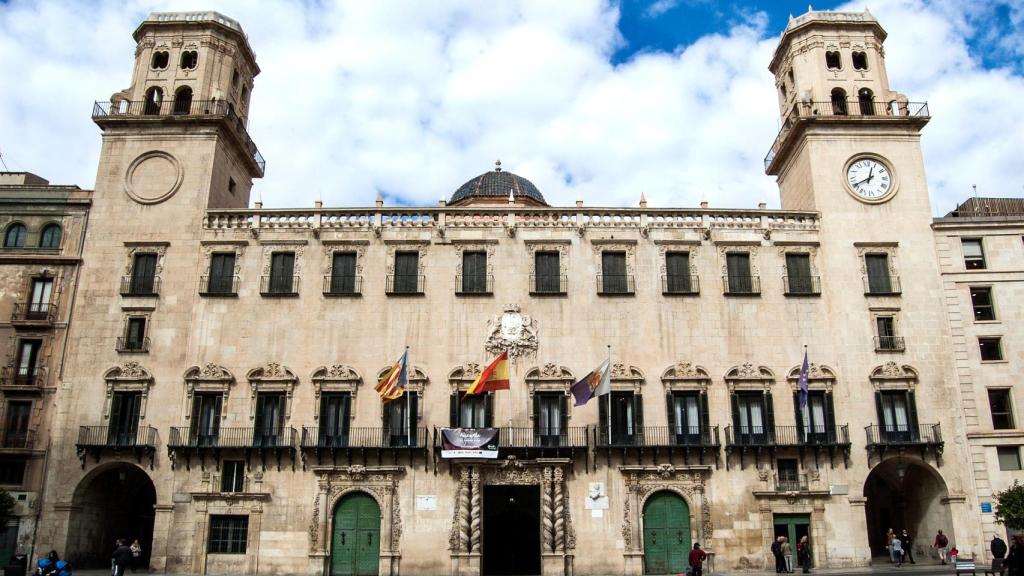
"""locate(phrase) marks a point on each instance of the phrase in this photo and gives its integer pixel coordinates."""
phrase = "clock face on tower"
(869, 179)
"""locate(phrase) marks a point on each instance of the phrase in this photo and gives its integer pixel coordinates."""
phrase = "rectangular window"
(222, 273)
(143, 280)
(28, 362)
(473, 411)
(789, 474)
(548, 273)
(752, 424)
(677, 273)
(401, 419)
(613, 273)
(228, 534)
(124, 419)
(991, 349)
(813, 423)
(269, 419)
(233, 477)
(343, 273)
(12, 472)
(282, 273)
(474, 273)
(879, 278)
(885, 327)
(550, 417)
(335, 413)
(739, 277)
(16, 432)
(206, 415)
(798, 274)
(135, 334)
(974, 254)
(620, 416)
(981, 301)
(39, 299)
(897, 415)
(684, 418)
(1009, 457)
(407, 270)
(1002, 413)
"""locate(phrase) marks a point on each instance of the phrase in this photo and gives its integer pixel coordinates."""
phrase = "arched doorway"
(115, 501)
(355, 536)
(906, 493)
(666, 525)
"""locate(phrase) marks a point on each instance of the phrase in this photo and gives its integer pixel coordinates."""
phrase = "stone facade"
(253, 345)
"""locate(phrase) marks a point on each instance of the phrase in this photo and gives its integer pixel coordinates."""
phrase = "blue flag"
(802, 384)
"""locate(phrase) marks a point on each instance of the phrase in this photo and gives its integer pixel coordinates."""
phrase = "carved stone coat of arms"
(512, 331)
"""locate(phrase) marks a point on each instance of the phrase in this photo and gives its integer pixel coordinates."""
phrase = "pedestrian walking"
(998, 548)
(803, 553)
(888, 544)
(787, 554)
(697, 557)
(121, 558)
(941, 543)
(1015, 559)
(136, 549)
(908, 545)
(780, 564)
(897, 551)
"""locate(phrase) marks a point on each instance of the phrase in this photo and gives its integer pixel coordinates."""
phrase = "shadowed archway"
(114, 501)
(906, 493)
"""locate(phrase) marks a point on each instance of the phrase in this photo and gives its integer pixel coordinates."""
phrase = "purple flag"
(804, 371)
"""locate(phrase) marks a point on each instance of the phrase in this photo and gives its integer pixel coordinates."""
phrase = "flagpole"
(408, 407)
(609, 397)
(510, 401)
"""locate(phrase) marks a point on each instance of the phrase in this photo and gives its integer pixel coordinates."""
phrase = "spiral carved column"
(547, 512)
(474, 509)
(464, 512)
(559, 511)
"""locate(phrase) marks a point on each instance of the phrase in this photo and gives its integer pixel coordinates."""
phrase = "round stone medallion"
(153, 177)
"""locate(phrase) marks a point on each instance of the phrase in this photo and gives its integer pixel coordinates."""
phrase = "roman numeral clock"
(870, 178)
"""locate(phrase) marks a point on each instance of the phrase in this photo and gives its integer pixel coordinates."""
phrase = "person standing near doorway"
(696, 560)
(908, 545)
(940, 544)
(888, 544)
(787, 554)
(803, 554)
(998, 548)
(136, 549)
(121, 558)
(780, 564)
(897, 551)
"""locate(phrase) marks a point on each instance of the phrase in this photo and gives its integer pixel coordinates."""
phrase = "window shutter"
(671, 419)
(563, 405)
(912, 415)
(602, 417)
(638, 417)
(769, 407)
(537, 416)
(830, 418)
(489, 409)
(799, 416)
(453, 410)
(413, 417)
(735, 401)
(878, 408)
(385, 418)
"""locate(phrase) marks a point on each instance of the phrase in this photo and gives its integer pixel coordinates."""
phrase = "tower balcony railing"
(17, 439)
(34, 314)
(615, 284)
(181, 108)
(15, 377)
(140, 285)
(844, 110)
(658, 437)
(802, 285)
(474, 284)
(221, 438)
(680, 284)
(741, 285)
(139, 440)
(343, 285)
(323, 438)
(903, 435)
(890, 344)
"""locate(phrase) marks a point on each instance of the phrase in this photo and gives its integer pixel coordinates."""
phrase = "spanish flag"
(494, 377)
(392, 384)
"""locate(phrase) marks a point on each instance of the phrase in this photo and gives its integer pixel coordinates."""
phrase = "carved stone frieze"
(329, 250)
(208, 378)
(270, 249)
(272, 377)
(512, 332)
(335, 378)
(487, 249)
(723, 251)
(159, 249)
(561, 248)
(238, 249)
(419, 248)
(693, 250)
(128, 377)
(684, 375)
(889, 251)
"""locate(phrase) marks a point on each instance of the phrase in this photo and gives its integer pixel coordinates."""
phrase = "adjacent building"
(217, 394)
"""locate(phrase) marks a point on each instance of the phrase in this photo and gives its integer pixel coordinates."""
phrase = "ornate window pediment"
(272, 378)
(549, 378)
(819, 377)
(894, 376)
(685, 376)
(462, 376)
(749, 377)
(128, 377)
(625, 377)
(334, 378)
(209, 378)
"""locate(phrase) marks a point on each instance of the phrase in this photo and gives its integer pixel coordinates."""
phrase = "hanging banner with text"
(469, 442)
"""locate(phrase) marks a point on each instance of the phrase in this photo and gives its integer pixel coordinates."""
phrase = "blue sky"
(600, 99)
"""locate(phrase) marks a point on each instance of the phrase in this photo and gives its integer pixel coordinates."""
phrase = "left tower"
(175, 144)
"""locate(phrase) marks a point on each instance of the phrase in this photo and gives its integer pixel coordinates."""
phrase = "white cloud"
(357, 97)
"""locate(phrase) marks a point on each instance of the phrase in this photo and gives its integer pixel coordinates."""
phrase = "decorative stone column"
(862, 547)
(466, 556)
(163, 517)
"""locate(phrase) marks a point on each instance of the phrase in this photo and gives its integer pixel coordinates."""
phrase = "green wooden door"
(666, 525)
(355, 542)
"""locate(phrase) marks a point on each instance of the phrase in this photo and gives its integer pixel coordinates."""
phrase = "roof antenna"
(497, 165)
(6, 169)
(975, 187)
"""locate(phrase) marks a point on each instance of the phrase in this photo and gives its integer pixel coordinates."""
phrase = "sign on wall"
(469, 442)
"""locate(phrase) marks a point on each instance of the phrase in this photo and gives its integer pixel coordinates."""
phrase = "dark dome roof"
(497, 184)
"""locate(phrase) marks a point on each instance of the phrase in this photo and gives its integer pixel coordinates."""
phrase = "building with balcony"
(43, 228)
(224, 361)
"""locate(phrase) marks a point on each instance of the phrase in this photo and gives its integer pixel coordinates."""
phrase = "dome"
(495, 185)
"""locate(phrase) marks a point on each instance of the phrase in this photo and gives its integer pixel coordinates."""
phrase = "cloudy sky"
(587, 98)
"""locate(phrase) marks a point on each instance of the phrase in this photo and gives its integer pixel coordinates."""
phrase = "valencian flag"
(597, 383)
(802, 383)
(392, 384)
(494, 377)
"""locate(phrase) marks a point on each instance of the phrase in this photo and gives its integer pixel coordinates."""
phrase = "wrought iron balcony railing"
(659, 437)
(750, 436)
(541, 438)
(889, 344)
(133, 344)
(188, 438)
(828, 436)
(548, 284)
(17, 439)
(14, 377)
(882, 285)
(279, 285)
(113, 437)
(35, 313)
(140, 285)
(218, 285)
(141, 109)
(615, 284)
(680, 284)
(903, 434)
(742, 285)
(474, 284)
(802, 285)
(791, 484)
(405, 284)
(339, 285)
(318, 438)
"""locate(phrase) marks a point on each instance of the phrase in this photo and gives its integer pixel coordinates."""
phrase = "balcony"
(791, 484)
(223, 286)
(96, 440)
(34, 315)
(889, 344)
(185, 441)
(354, 444)
(142, 286)
(13, 380)
(133, 345)
(882, 286)
(804, 114)
(548, 285)
(802, 285)
(280, 286)
(124, 111)
(17, 440)
(405, 285)
(742, 285)
(680, 285)
(343, 285)
(615, 285)
(474, 285)
(925, 437)
(699, 442)
(813, 436)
